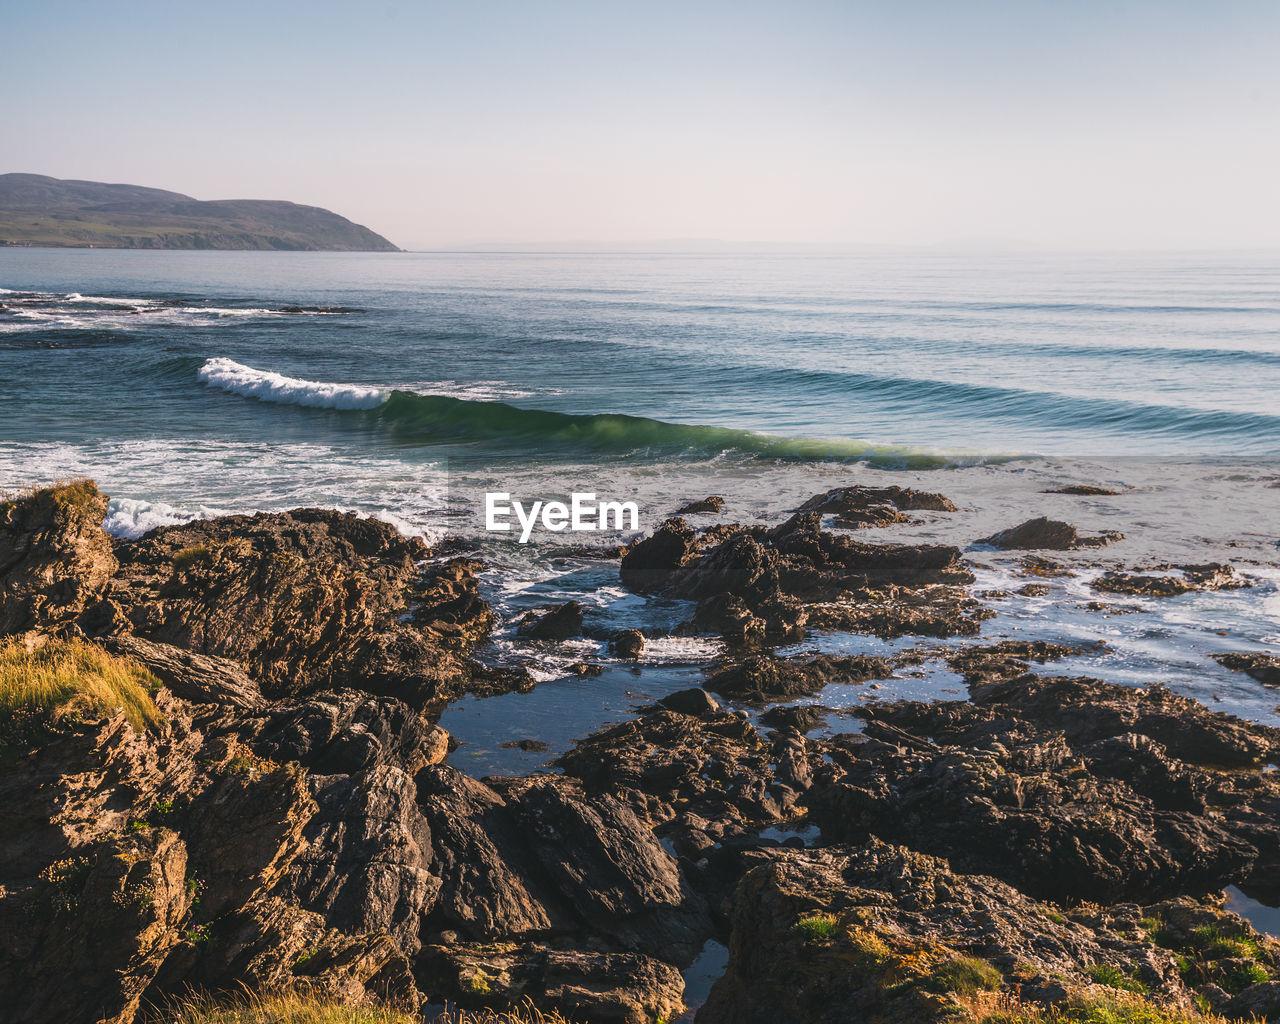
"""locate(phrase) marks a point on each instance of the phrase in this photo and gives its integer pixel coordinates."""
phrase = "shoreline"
(736, 797)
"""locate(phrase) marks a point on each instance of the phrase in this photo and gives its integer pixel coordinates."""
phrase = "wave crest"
(228, 375)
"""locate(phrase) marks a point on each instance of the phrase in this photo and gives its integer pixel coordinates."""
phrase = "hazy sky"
(1066, 123)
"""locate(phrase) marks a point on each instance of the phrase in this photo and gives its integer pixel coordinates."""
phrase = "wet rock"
(1213, 576)
(528, 746)
(1062, 787)
(765, 677)
(860, 507)
(582, 668)
(716, 766)
(800, 718)
(562, 622)
(713, 504)
(1265, 668)
(1084, 490)
(1047, 533)
(768, 584)
(55, 558)
(696, 702)
(649, 562)
(628, 643)
(626, 988)
(1005, 659)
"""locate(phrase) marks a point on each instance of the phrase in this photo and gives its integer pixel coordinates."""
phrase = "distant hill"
(37, 210)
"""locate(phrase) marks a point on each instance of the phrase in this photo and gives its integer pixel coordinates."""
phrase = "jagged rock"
(1047, 533)
(628, 643)
(563, 622)
(866, 933)
(715, 766)
(1213, 576)
(1004, 659)
(366, 865)
(859, 507)
(536, 856)
(765, 677)
(1265, 668)
(201, 678)
(1066, 788)
(85, 939)
(348, 731)
(303, 600)
(648, 562)
(54, 557)
(713, 504)
(626, 988)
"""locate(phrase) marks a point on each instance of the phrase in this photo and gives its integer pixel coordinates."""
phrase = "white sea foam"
(266, 386)
(130, 519)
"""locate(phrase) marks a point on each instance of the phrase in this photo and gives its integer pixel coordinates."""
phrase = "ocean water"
(406, 385)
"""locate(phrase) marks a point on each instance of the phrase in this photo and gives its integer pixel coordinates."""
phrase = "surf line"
(582, 514)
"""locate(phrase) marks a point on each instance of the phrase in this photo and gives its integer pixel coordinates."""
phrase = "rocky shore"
(280, 810)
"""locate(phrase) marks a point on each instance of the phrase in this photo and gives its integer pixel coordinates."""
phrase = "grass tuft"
(965, 975)
(72, 680)
(303, 1008)
(1120, 1008)
(74, 492)
(816, 928)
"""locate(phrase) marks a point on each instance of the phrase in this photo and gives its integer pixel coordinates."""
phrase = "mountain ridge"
(38, 210)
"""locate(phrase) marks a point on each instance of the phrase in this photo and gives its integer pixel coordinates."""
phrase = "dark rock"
(870, 930)
(1061, 787)
(1084, 490)
(528, 746)
(562, 622)
(1213, 576)
(582, 668)
(649, 562)
(305, 600)
(800, 718)
(765, 677)
(201, 678)
(861, 507)
(346, 731)
(696, 702)
(536, 856)
(628, 643)
(366, 865)
(613, 988)
(1265, 668)
(712, 504)
(1047, 533)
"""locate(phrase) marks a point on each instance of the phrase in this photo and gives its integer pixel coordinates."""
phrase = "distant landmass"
(38, 210)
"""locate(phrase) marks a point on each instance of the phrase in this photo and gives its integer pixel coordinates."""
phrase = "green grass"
(964, 976)
(816, 928)
(191, 555)
(1113, 977)
(1117, 1009)
(74, 492)
(301, 1008)
(72, 680)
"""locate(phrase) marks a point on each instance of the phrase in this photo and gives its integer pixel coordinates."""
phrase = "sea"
(407, 386)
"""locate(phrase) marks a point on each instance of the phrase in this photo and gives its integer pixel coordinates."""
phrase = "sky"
(1063, 124)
